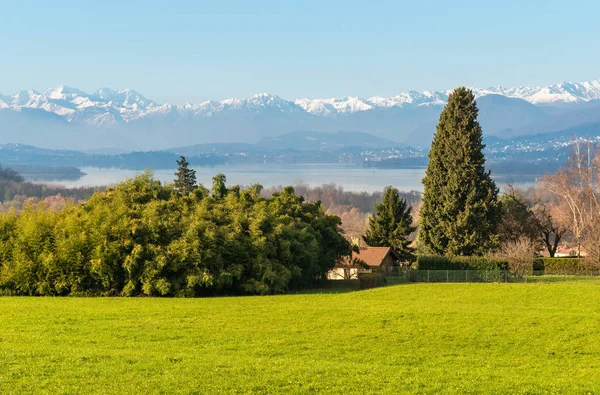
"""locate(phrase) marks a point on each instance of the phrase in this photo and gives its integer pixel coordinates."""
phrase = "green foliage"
(144, 238)
(433, 262)
(460, 212)
(185, 178)
(483, 268)
(219, 189)
(391, 224)
(517, 219)
(566, 266)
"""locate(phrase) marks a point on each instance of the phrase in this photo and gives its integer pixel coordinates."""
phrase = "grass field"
(422, 338)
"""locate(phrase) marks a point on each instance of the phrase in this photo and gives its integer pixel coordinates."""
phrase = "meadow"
(416, 338)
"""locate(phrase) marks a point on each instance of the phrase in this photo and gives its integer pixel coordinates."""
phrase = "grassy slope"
(502, 338)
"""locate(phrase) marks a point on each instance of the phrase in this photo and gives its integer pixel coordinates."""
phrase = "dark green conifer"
(460, 212)
(185, 181)
(391, 224)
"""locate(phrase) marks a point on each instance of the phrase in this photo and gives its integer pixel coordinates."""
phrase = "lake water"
(351, 178)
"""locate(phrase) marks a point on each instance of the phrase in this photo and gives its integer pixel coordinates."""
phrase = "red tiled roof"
(572, 251)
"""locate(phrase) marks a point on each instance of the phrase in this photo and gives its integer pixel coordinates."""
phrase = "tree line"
(463, 213)
(15, 191)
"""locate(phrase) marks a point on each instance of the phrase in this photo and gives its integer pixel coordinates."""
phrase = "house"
(565, 252)
(366, 260)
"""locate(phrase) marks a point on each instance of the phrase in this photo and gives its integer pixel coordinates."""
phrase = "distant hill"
(304, 140)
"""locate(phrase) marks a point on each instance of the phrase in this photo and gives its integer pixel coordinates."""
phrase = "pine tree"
(185, 181)
(391, 224)
(460, 212)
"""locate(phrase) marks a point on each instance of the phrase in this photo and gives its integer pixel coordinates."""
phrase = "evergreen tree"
(391, 224)
(185, 181)
(7, 174)
(460, 212)
(518, 219)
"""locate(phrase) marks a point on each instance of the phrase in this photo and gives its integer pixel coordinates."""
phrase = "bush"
(483, 268)
(142, 238)
(436, 262)
(566, 266)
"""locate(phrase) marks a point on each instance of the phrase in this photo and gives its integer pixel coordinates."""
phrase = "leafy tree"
(518, 220)
(143, 238)
(219, 189)
(391, 224)
(460, 212)
(185, 181)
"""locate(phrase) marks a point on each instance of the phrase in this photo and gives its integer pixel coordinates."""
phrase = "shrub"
(142, 238)
(519, 254)
(483, 268)
(567, 266)
(436, 262)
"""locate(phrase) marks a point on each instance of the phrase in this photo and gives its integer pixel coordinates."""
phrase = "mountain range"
(65, 117)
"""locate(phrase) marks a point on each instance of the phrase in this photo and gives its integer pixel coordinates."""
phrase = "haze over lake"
(351, 178)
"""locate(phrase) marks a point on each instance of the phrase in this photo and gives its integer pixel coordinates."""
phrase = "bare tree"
(577, 185)
(519, 254)
(354, 222)
(551, 224)
(535, 214)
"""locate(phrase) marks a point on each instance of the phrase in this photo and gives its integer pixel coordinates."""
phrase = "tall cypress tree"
(185, 181)
(391, 224)
(460, 212)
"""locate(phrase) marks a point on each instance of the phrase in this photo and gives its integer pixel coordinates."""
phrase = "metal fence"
(405, 276)
(493, 276)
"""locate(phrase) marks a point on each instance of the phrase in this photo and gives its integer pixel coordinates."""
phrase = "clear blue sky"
(180, 51)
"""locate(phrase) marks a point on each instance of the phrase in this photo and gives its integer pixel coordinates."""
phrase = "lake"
(351, 178)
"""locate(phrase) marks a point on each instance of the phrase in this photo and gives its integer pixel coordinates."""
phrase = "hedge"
(436, 262)
(482, 268)
(566, 266)
(371, 280)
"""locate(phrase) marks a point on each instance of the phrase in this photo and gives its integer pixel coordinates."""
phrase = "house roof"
(570, 251)
(372, 256)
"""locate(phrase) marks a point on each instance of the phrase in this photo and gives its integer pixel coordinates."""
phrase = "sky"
(190, 51)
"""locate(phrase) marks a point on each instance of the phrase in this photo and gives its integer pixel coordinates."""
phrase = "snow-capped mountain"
(108, 107)
(103, 108)
(127, 116)
(565, 92)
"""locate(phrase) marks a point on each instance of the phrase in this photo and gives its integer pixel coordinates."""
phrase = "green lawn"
(422, 338)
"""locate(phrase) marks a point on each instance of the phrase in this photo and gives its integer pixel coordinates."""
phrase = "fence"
(404, 276)
(458, 276)
(494, 276)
